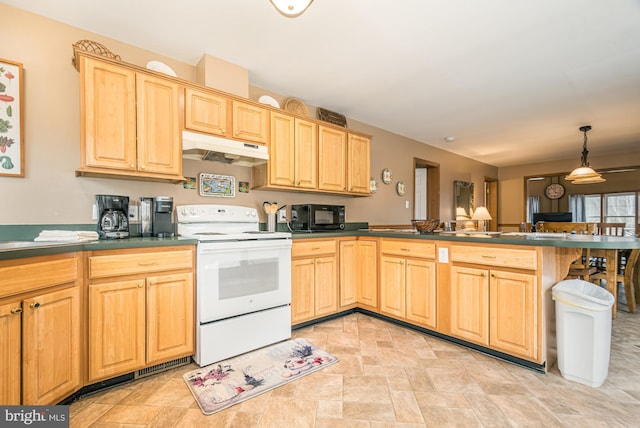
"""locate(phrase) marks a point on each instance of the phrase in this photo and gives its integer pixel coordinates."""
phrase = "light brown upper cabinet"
(206, 112)
(130, 123)
(332, 159)
(359, 164)
(292, 153)
(250, 122)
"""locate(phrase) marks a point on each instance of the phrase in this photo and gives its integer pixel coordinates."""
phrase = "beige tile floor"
(389, 376)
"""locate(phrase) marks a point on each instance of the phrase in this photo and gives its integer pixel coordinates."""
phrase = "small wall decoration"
(401, 188)
(11, 113)
(223, 186)
(387, 176)
(243, 187)
(190, 183)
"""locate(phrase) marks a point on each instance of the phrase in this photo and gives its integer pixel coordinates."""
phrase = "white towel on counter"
(67, 236)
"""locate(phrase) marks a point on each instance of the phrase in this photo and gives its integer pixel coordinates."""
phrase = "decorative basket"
(91, 47)
(332, 117)
(425, 226)
(296, 106)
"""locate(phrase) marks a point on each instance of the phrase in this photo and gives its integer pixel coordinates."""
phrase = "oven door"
(240, 277)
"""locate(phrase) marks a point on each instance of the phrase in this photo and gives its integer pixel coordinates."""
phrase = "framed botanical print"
(11, 119)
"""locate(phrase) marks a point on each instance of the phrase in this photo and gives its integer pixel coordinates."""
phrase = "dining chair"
(610, 229)
(584, 228)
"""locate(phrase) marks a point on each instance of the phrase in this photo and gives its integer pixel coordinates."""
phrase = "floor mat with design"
(225, 383)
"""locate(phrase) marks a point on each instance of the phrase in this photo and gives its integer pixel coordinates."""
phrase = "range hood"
(208, 147)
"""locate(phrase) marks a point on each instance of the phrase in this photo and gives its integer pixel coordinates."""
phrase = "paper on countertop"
(67, 236)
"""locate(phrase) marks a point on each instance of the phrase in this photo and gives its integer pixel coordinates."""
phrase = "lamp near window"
(291, 8)
(481, 214)
(584, 174)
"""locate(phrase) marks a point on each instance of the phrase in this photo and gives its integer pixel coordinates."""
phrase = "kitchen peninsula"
(490, 292)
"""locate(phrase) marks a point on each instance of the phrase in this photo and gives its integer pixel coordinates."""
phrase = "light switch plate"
(443, 255)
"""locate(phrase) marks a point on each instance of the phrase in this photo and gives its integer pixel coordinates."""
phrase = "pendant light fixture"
(291, 8)
(584, 174)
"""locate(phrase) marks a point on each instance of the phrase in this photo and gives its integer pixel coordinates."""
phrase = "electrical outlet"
(282, 215)
(134, 215)
(94, 212)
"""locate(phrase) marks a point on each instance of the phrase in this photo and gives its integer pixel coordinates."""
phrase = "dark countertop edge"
(48, 249)
(604, 242)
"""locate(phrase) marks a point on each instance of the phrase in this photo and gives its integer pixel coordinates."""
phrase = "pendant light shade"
(584, 174)
(291, 8)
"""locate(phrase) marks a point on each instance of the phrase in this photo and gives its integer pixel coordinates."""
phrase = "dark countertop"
(32, 249)
(511, 238)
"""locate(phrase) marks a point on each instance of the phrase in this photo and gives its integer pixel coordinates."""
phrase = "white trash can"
(583, 329)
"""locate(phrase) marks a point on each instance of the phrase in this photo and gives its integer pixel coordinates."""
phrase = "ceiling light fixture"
(291, 8)
(584, 174)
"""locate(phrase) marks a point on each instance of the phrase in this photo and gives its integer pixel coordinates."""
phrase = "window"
(614, 208)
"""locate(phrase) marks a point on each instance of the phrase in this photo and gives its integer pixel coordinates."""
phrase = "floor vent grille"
(148, 371)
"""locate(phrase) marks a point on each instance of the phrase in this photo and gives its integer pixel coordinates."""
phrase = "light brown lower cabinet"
(314, 279)
(142, 317)
(495, 308)
(408, 281)
(359, 273)
(40, 329)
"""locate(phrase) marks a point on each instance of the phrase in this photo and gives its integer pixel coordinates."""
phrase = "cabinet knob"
(34, 305)
(140, 285)
(142, 166)
(152, 282)
(133, 166)
(223, 131)
(16, 310)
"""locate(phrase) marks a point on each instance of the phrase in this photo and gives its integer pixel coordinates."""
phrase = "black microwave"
(317, 218)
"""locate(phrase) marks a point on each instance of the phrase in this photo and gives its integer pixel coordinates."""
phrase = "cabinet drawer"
(492, 256)
(313, 248)
(408, 248)
(32, 276)
(130, 264)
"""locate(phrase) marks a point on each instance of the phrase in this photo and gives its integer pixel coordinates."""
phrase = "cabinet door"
(108, 106)
(349, 268)
(421, 292)
(282, 150)
(51, 346)
(250, 123)
(159, 121)
(116, 328)
(302, 290)
(392, 286)
(358, 167)
(368, 274)
(470, 304)
(205, 112)
(513, 308)
(170, 317)
(10, 346)
(326, 285)
(332, 159)
(306, 158)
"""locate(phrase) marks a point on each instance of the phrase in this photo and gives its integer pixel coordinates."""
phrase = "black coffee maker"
(161, 223)
(113, 216)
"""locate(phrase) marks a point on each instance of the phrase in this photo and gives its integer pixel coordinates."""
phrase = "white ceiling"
(511, 80)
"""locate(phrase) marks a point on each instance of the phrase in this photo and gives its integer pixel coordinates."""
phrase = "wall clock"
(554, 191)
(400, 188)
